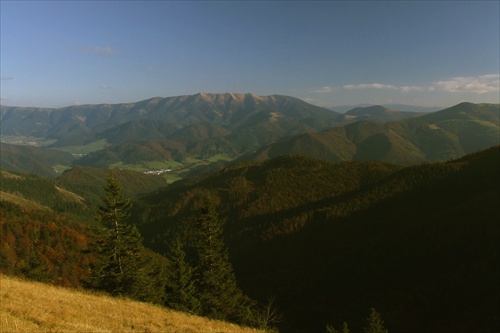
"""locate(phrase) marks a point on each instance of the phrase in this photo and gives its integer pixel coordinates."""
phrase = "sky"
(328, 53)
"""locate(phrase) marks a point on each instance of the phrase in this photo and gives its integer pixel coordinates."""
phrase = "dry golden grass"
(29, 307)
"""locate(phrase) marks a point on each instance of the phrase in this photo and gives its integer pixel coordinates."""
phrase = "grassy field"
(36, 307)
(85, 149)
(26, 140)
(178, 169)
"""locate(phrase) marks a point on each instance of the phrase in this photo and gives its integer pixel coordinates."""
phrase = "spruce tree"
(122, 266)
(180, 291)
(375, 324)
(214, 277)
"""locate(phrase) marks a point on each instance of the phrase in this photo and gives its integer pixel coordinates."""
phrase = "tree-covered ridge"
(331, 240)
(325, 241)
(90, 182)
(282, 190)
(191, 134)
(440, 136)
(80, 124)
(76, 191)
(42, 191)
(29, 159)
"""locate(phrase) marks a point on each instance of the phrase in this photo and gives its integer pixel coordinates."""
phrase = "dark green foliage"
(375, 324)
(215, 282)
(31, 159)
(122, 266)
(44, 191)
(36, 269)
(116, 207)
(90, 182)
(331, 239)
(328, 239)
(180, 290)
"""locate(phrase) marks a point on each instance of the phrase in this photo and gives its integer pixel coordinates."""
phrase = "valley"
(197, 133)
(327, 214)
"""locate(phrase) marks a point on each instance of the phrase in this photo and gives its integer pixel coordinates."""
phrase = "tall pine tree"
(123, 266)
(215, 281)
(180, 290)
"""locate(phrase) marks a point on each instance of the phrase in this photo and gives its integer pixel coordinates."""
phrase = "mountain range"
(328, 214)
(400, 107)
(194, 133)
(443, 135)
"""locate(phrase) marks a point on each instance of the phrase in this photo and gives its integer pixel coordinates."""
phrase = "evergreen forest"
(290, 244)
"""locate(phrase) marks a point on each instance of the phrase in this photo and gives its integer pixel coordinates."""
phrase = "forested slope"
(328, 240)
(332, 240)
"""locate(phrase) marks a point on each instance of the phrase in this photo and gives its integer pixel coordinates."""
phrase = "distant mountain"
(398, 107)
(414, 108)
(176, 128)
(82, 124)
(377, 113)
(439, 136)
(196, 131)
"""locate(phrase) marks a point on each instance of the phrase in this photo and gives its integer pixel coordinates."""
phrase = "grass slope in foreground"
(36, 307)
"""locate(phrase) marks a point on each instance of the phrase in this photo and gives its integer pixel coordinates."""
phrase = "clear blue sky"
(328, 53)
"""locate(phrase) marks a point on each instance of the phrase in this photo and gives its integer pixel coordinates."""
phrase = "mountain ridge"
(329, 239)
(446, 134)
(191, 131)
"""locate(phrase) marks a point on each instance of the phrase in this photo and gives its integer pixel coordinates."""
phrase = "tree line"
(203, 285)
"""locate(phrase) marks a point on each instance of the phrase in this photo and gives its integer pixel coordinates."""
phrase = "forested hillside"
(76, 191)
(43, 162)
(318, 242)
(189, 135)
(89, 182)
(439, 136)
(43, 246)
(332, 240)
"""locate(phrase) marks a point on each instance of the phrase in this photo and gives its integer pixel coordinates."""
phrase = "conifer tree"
(35, 268)
(180, 290)
(214, 277)
(375, 324)
(122, 266)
